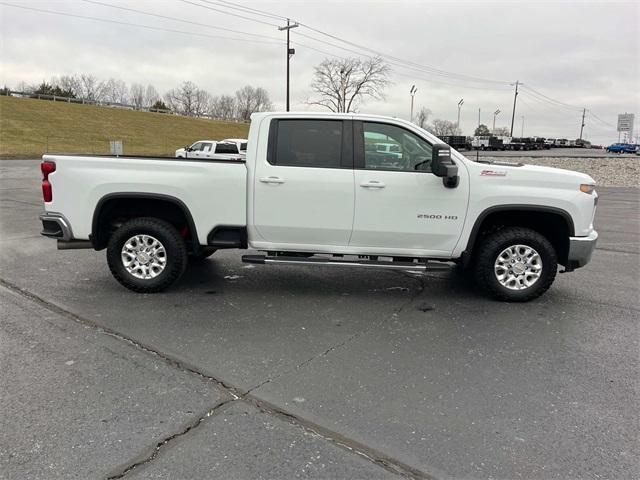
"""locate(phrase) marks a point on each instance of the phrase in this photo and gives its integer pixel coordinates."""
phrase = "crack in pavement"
(349, 339)
(378, 458)
(162, 443)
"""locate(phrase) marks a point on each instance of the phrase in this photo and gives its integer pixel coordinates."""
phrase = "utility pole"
(460, 103)
(494, 119)
(522, 131)
(412, 92)
(513, 114)
(290, 53)
(584, 110)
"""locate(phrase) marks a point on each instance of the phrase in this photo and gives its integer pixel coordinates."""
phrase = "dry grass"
(31, 127)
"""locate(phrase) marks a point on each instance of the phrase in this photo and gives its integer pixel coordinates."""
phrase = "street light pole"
(460, 103)
(290, 53)
(494, 120)
(412, 92)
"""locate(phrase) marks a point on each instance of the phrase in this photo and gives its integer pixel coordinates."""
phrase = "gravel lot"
(620, 171)
(302, 372)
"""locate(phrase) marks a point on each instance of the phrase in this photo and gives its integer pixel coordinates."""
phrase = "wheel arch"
(554, 223)
(139, 204)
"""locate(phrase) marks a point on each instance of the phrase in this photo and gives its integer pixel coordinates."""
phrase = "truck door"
(206, 150)
(303, 189)
(400, 205)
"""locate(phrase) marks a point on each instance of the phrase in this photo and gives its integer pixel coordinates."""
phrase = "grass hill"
(31, 127)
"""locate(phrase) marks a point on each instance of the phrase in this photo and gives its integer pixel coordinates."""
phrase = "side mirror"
(442, 165)
(187, 148)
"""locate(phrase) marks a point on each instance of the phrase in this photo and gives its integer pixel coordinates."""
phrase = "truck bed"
(80, 182)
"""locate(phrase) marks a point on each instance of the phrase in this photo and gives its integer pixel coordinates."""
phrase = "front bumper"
(55, 225)
(580, 250)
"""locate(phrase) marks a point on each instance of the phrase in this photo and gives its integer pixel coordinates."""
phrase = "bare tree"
(90, 87)
(423, 117)
(150, 96)
(444, 127)
(70, 83)
(223, 107)
(250, 100)
(116, 91)
(188, 99)
(24, 87)
(341, 84)
(501, 131)
(136, 94)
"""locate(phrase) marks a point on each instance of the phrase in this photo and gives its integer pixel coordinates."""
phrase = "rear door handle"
(271, 180)
(372, 184)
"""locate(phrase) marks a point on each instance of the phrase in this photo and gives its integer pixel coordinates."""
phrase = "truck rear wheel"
(515, 264)
(146, 255)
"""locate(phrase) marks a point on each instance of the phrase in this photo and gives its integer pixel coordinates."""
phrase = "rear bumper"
(55, 225)
(580, 250)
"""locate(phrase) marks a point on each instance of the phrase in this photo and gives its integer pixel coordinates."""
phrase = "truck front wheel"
(515, 264)
(146, 255)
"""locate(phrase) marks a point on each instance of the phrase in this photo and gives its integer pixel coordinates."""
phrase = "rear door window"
(226, 148)
(308, 143)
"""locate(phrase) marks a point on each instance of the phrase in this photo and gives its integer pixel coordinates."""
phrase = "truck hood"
(531, 172)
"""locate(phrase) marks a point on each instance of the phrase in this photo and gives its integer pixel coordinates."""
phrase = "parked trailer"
(459, 142)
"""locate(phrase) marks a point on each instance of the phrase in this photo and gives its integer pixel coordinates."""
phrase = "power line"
(428, 80)
(412, 65)
(599, 119)
(228, 13)
(250, 10)
(558, 102)
(423, 70)
(137, 25)
(552, 107)
(397, 59)
(180, 20)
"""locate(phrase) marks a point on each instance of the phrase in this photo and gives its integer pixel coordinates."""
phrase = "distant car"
(393, 149)
(241, 143)
(622, 148)
(210, 150)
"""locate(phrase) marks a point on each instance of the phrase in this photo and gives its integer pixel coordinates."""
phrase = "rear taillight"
(46, 168)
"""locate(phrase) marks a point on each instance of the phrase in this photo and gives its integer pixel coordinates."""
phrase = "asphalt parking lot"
(292, 372)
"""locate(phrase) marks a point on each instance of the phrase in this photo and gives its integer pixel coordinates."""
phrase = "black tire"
(167, 235)
(493, 244)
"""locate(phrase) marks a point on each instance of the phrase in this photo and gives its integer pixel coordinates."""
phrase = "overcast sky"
(584, 54)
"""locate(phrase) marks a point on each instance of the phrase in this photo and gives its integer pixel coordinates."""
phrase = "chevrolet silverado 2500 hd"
(316, 190)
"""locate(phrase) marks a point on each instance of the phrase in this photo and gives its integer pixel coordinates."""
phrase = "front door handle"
(372, 184)
(271, 180)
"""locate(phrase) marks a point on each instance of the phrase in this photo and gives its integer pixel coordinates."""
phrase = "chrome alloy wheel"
(518, 267)
(143, 256)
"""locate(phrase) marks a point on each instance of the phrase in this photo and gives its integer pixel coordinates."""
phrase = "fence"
(100, 103)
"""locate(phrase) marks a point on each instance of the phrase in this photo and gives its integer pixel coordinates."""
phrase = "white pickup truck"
(315, 190)
(212, 150)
